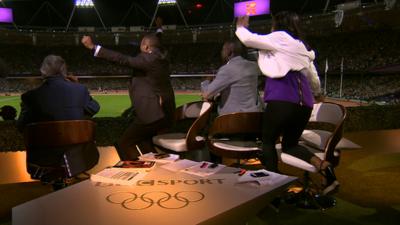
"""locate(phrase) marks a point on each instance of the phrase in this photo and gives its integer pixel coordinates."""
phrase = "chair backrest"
(328, 112)
(237, 123)
(59, 133)
(246, 127)
(334, 114)
(70, 140)
(200, 111)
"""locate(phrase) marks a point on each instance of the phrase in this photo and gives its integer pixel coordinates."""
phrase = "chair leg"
(325, 201)
(305, 198)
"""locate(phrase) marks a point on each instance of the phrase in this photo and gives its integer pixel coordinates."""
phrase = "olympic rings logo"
(165, 200)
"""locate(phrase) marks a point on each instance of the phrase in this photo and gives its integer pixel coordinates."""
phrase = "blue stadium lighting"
(84, 3)
(166, 2)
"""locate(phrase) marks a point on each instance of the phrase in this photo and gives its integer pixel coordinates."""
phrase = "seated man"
(60, 97)
(235, 82)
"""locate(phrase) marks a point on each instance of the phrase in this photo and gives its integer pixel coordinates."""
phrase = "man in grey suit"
(236, 82)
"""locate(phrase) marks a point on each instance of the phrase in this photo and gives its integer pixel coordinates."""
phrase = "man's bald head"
(149, 43)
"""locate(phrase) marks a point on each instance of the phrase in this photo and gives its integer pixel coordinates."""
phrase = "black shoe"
(58, 185)
(331, 183)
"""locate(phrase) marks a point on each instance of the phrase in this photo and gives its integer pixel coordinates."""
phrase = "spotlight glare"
(166, 2)
(84, 3)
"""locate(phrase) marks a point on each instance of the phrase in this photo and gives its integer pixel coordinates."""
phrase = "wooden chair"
(236, 135)
(60, 149)
(180, 142)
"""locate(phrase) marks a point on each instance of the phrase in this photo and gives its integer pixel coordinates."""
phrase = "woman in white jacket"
(287, 61)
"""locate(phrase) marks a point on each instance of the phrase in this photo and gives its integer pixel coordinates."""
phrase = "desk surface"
(162, 197)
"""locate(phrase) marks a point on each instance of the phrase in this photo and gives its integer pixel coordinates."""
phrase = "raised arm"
(138, 62)
(252, 40)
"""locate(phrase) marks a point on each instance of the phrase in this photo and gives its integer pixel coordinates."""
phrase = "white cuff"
(97, 49)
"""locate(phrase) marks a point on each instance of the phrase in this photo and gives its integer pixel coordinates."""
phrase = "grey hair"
(53, 65)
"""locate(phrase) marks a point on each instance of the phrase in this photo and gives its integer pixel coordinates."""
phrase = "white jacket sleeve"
(312, 77)
(253, 40)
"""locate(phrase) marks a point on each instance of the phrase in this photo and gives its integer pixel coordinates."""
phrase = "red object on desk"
(204, 165)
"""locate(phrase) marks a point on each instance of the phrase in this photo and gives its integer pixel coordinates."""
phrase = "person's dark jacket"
(56, 99)
(151, 91)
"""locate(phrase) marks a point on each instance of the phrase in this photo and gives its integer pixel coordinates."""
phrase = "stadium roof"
(56, 13)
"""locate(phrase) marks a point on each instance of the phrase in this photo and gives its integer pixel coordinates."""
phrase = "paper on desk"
(151, 157)
(179, 165)
(117, 176)
(273, 178)
(203, 169)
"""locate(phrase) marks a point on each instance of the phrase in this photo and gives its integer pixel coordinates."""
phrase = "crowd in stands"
(367, 87)
(184, 58)
(361, 52)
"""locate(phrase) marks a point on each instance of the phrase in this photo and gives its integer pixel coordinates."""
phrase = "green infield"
(111, 105)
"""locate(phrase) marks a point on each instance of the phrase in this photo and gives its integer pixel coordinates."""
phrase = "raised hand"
(242, 21)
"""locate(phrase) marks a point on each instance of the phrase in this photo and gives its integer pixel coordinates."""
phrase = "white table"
(165, 198)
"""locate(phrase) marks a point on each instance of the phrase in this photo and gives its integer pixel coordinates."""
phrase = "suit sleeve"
(25, 115)
(138, 62)
(222, 80)
(92, 106)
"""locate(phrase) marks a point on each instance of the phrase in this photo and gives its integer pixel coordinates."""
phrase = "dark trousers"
(289, 120)
(139, 135)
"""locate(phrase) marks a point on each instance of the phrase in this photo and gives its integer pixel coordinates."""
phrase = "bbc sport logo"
(170, 182)
(177, 182)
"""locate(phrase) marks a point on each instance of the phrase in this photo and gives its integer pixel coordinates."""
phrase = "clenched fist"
(242, 21)
(87, 42)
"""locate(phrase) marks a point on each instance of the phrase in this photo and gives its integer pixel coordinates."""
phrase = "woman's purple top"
(287, 89)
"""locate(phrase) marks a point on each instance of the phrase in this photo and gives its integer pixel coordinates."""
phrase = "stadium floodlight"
(166, 2)
(84, 3)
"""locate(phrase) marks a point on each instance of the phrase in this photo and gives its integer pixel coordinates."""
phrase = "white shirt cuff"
(97, 49)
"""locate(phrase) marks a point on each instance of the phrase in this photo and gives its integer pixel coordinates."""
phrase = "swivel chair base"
(307, 200)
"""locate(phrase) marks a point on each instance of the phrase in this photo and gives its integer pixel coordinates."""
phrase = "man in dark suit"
(58, 98)
(151, 94)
